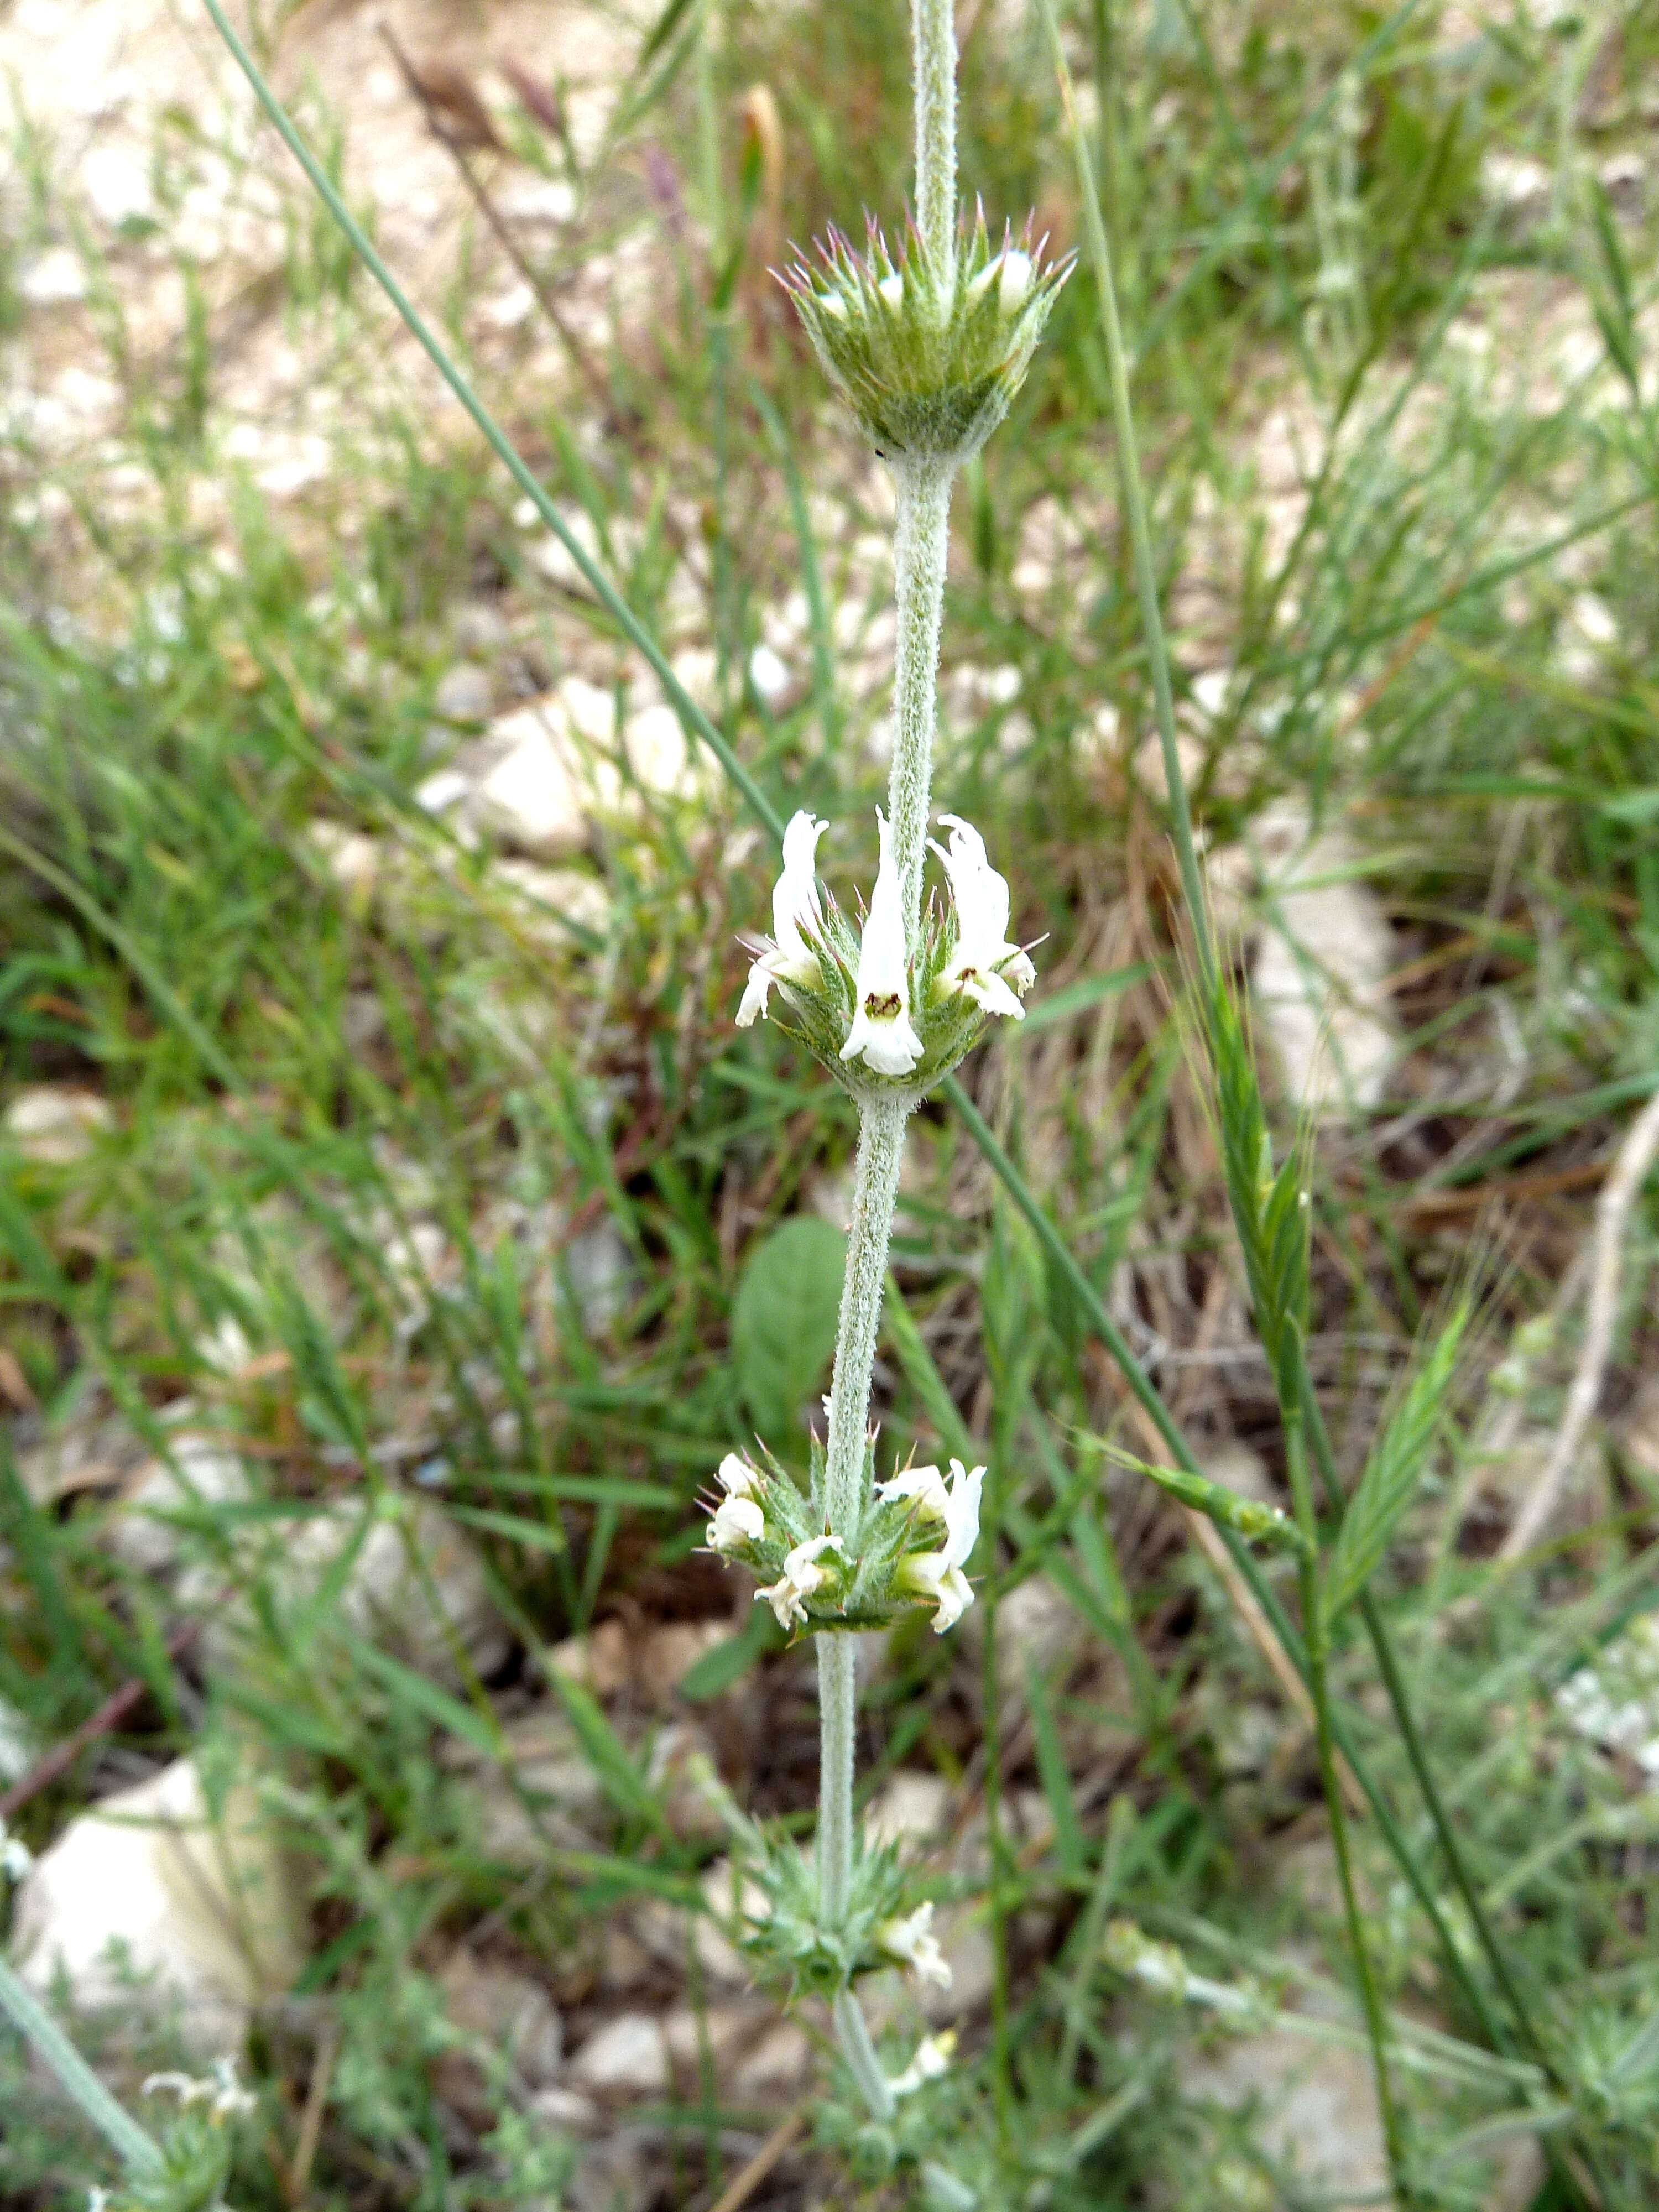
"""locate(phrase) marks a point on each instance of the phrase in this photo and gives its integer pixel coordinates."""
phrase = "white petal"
(755, 994)
(795, 899)
(987, 988)
(955, 1596)
(1016, 280)
(962, 1514)
(735, 1476)
(739, 1521)
(926, 1484)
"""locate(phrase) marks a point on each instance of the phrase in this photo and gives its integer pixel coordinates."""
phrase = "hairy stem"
(875, 1190)
(837, 1725)
(919, 549)
(933, 45)
(854, 2036)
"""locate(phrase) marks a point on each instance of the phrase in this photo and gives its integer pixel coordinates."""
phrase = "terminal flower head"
(801, 1576)
(984, 966)
(789, 958)
(937, 1576)
(882, 1034)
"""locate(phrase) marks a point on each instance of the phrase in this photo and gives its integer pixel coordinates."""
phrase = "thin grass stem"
(118, 2128)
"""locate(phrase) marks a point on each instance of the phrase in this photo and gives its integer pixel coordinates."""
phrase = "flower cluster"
(875, 1016)
(927, 357)
(915, 1536)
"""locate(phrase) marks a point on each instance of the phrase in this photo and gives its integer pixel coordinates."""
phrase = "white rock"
(1518, 184)
(462, 693)
(912, 1810)
(556, 897)
(142, 1528)
(352, 857)
(539, 199)
(600, 1661)
(54, 278)
(1319, 2108)
(444, 792)
(535, 798)
(53, 1123)
(628, 2056)
(779, 2065)
(770, 677)
(387, 1596)
(1323, 957)
(1037, 1628)
(116, 181)
(507, 2009)
(17, 1744)
(147, 1878)
(601, 1270)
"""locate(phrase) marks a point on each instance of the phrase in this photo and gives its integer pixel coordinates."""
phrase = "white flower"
(913, 1940)
(932, 2058)
(16, 1856)
(735, 1476)
(982, 951)
(736, 1521)
(924, 1485)
(789, 958)
(219, 2091)
(937, 1575)
(881, 1027)
(802, 1575)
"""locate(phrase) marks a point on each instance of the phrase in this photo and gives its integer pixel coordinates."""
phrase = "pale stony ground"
(544, 779)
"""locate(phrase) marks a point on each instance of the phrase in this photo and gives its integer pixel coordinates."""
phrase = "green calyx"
(787, 1937)
(927, 357)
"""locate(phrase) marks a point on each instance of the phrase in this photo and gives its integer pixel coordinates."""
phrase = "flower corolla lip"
(735, 1521)
(962, 1513)
(910, 1938)
(932, 2058)
(984, 966)
(801, 1576)
(938, 1576)
(735, 1476)
(924, 1484)
(789, 958)
(882, 1031)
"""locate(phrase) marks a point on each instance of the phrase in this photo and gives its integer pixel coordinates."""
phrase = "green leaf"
(1392, 1473)
(607, 1755)
(1054, 1776)
(1246, 1516)
(435, 1705)
(783, 1322)
(536, 1535)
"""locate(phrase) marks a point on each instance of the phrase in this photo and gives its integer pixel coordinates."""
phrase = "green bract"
(790, 1936)
(927, 356)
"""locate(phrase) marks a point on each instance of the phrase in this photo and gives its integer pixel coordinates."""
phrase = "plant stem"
(854, 2036)
(837, 1728)
(113, 2122)
(923, 489)
(875, 1191)
(1313, 1627)
(933, 48)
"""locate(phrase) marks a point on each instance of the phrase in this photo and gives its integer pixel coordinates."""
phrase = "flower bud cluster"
(912, 1542)
(926, 355)
(882, 1021)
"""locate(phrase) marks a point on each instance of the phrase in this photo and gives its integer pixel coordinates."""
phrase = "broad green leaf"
(783, 1322)
(1393, 1472)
